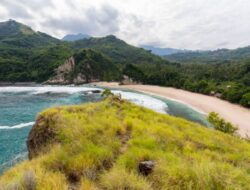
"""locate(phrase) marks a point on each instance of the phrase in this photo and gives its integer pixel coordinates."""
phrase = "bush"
(107, 93)
(245, 100)
(220, 124)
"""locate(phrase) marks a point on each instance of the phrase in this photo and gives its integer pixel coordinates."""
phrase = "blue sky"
(186, 24)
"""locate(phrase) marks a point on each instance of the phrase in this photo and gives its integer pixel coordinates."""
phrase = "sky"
(184, 24)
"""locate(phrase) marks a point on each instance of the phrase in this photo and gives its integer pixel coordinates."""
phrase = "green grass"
(99, 145)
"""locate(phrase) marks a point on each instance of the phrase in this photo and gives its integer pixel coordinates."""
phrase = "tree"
(133, 72)
(245, 100)
(107, 93)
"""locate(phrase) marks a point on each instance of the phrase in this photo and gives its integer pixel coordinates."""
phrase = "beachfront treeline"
(229, 81)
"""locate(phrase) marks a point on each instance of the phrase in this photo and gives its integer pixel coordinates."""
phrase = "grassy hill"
(101, 146)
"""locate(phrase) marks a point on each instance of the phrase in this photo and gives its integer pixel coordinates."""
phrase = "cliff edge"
(84, 67)
(114, 144)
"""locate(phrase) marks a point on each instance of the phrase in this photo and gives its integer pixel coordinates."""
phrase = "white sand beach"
(233, 113)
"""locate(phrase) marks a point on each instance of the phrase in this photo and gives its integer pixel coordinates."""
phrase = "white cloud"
(192, 24)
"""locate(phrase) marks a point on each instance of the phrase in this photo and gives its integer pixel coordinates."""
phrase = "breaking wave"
(21, 125)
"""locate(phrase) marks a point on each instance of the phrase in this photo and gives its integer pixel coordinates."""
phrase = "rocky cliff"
(84, 67)
(63, 72)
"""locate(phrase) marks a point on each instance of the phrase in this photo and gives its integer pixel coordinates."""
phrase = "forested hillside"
(217, 56)
(18, 46)
(27, 55)
(118, 50)
(230, 81)
(85, 66)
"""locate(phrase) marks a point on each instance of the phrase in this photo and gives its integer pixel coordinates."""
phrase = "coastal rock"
(127, 80)
(96, 91)
(41, 134)
(63, 73)
(84, 67)
(146, 167)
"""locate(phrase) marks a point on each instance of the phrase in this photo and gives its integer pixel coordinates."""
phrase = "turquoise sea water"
(19, 106)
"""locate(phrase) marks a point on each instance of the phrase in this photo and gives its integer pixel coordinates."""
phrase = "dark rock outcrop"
(146, 167)
(40, 136)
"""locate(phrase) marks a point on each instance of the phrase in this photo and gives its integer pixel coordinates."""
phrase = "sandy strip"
(233, 113)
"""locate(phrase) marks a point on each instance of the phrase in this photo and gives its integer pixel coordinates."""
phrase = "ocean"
(20, 105)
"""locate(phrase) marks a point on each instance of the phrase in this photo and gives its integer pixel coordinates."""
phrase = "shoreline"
(204, 104)
(18, 84)
(174, 100)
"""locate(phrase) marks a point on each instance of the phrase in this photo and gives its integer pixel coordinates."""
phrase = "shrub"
(220, 124)
(245, 100)
(107, 93)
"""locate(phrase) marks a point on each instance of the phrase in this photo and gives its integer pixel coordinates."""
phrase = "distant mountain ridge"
(216, 56)
(118, 50)
(75, 37)
(163, 51)
(15, 34)
(27, 55)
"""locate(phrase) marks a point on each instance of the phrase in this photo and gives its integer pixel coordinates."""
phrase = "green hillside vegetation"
(43, 63)
(230, 81)
(18, 43)
(101, 145)
(38, 65)
(118, 50)
(93, 64)
(26, 55)
(90, 66)
(217, 56)
(14, 34)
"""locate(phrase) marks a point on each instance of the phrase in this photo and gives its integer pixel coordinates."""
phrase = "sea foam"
(137, 98)
(46, 89)
(144, 100)
(18, 126)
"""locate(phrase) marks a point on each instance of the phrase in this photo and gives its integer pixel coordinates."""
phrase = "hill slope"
(18, 43)
(217, 56)
(26, 55)
(14, 34)
(85, 66)
(104, 146)
(118, 50)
